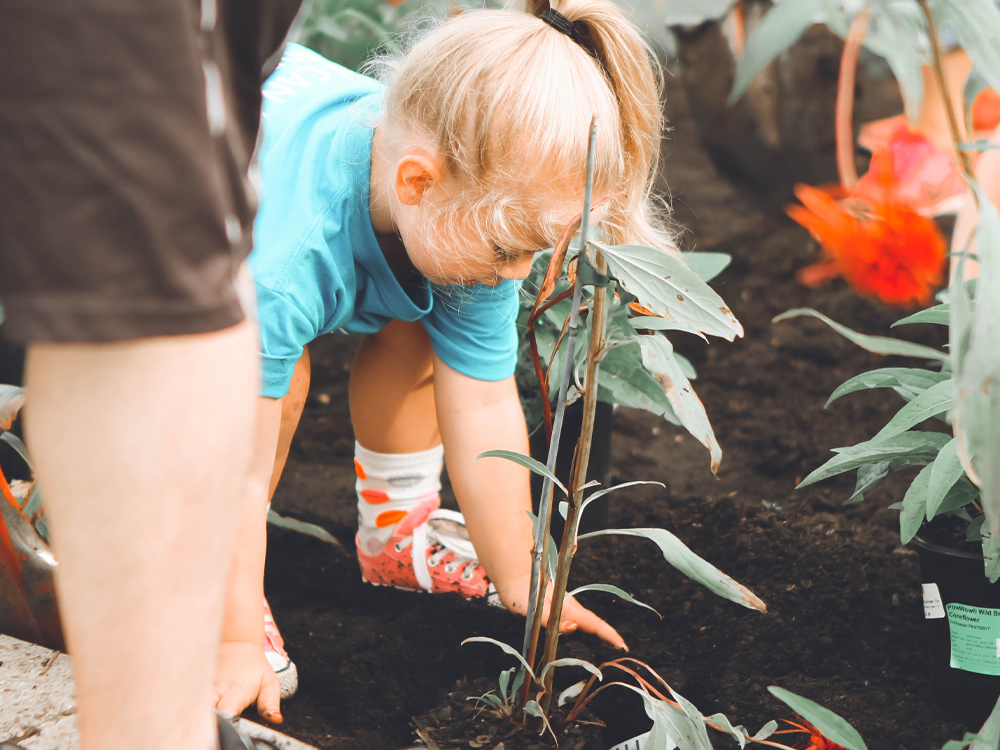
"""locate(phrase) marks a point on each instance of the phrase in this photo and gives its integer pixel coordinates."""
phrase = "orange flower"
(817, 740)
(881, 246)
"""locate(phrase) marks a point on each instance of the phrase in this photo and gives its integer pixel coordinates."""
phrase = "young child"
(404, 210)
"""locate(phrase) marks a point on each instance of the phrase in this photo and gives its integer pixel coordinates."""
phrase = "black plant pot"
(962, 618)
(596, 515)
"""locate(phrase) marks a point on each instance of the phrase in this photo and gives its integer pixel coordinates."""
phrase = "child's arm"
(243, 674)
(476, 416)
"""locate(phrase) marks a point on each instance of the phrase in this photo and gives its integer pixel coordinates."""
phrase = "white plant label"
(933, 607)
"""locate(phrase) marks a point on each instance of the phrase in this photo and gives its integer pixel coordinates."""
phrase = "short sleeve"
(284, 332)
(474, 329)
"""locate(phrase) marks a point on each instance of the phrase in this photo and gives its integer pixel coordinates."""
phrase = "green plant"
(960, 474)
(620, 298)
(348, 31)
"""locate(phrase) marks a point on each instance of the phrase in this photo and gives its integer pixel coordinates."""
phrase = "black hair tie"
(559, 22)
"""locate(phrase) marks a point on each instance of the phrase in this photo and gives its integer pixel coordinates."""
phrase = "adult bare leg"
(142, 448)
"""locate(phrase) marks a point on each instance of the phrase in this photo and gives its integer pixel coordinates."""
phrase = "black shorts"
(126, 129)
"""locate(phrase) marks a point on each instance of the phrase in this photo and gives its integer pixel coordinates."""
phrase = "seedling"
(622, 297)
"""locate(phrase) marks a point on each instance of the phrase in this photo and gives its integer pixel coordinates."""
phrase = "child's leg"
(291, 412)
(398, 460)
(392, 391)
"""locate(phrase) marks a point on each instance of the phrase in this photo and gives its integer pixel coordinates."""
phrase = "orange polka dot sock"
(389, 486)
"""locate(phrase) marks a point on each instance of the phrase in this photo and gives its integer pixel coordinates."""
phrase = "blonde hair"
(502, 95)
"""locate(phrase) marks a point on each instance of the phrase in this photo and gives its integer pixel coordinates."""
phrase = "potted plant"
(951, 510)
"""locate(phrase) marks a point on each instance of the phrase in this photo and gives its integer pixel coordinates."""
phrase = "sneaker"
(274, 650)
(429, 551)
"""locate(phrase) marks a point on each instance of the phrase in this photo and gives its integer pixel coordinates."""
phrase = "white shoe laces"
(445, 530)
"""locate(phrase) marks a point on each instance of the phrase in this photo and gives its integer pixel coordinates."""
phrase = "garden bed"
(844, 623)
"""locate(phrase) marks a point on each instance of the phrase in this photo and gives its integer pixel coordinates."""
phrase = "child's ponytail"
(488, 85)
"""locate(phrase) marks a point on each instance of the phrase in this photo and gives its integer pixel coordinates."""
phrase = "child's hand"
(244, 676)
(514, 595)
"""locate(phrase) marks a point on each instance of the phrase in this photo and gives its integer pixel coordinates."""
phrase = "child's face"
(452, 250)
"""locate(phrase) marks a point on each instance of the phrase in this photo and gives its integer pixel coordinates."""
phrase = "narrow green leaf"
(920, 447)
(609, 589)
(527, 461)
(780, 28)
(302, 527)
(934, 402)
(694, 567)
(914, 506)
(945, 472)
(570, 662)
(938, 315)
(738, 733)
(571, 692)
(826, 721)
(486, 698)
(15, 442)
(658, 358)
(766, 731)
(666, 287)
(11, 401)
(503, 647)
(874, 344)
(975, 84)
(909, 382)
(504, 681)
(607, 490)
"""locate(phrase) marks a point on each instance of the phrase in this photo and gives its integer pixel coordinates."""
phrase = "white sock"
(389, 486)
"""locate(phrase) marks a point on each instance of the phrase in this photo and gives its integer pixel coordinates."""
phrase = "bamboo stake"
(539, 573)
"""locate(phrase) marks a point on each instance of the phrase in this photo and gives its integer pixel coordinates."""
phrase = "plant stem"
(598, 321)
(567, 548)
(844, 118)
(536, 595)
(956, 133)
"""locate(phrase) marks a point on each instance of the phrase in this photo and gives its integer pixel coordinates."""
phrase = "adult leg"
(143, 448)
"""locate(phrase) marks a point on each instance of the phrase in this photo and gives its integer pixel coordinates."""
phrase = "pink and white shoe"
(274, 651)
(428, 551)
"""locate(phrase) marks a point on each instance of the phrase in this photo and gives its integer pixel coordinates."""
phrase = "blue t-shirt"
(316, 263)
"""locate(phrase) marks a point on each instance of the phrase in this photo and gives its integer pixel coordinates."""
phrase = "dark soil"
(844, 622)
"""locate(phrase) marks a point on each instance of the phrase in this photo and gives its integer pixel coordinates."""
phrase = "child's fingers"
(588, 622)
(230, 700)
(269, 700)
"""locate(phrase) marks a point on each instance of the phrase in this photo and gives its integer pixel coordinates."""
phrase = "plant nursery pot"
(596, 516)
(962, 618)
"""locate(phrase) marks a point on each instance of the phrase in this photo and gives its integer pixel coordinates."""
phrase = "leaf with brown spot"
(658, 357)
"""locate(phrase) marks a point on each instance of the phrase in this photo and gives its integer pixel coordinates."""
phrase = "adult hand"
(244, 676)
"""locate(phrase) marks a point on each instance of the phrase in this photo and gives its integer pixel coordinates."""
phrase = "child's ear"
(416, 173)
